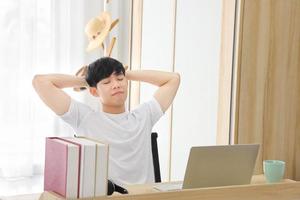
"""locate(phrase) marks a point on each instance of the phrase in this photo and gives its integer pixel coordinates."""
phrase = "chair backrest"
(155, 157)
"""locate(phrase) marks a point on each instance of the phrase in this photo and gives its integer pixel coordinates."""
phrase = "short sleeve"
(152, 108)
(76, 113)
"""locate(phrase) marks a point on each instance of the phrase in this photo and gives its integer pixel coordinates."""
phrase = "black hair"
(103, 68)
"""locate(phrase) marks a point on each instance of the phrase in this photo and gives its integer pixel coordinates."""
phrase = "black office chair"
(155, 157)
(114, 187)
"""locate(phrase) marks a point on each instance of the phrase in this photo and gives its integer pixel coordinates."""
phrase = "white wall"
(157, 41)
(197, 47)
(197, 60)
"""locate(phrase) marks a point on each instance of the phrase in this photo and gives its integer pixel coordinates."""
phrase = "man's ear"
(94, 92)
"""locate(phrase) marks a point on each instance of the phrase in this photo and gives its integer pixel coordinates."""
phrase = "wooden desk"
(143, 189)
(257, 190)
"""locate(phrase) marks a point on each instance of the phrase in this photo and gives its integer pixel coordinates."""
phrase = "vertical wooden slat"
(173, 69)
(236, 75)
(225, 71)
(296, 166)
(135, 54)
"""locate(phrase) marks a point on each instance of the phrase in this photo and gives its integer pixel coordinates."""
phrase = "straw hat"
(97, 29)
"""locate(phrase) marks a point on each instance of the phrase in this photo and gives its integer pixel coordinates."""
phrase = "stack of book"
(76, 167)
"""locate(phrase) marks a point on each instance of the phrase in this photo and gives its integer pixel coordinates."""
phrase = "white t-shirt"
(128, 135)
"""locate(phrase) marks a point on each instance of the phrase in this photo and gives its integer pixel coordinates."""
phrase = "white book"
(88, 166)
(101, 166)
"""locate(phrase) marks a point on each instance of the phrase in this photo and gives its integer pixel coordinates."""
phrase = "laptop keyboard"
(168, 186)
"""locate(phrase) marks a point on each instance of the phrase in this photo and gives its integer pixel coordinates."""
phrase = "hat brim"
(96, 43)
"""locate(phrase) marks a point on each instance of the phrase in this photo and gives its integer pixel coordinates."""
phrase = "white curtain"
(36, 37)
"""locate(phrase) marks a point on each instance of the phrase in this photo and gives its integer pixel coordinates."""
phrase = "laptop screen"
(211, 166)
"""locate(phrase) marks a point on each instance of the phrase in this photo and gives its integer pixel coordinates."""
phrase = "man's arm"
(49, 88)
(168, 83)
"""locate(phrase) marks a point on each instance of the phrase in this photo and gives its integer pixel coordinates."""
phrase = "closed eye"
(120, 77)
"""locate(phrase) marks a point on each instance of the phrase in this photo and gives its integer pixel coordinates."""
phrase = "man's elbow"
(177, 77)
(38, 80)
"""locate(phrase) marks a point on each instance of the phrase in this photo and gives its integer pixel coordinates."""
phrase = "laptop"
(212, 166)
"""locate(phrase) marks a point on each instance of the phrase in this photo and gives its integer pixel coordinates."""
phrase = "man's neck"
(113, 109)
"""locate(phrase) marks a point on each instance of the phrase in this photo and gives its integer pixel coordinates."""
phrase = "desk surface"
(258, 190)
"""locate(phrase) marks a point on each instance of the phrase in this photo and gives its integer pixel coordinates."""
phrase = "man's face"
(113, 90)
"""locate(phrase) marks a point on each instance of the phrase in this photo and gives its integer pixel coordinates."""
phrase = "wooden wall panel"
(269, 81)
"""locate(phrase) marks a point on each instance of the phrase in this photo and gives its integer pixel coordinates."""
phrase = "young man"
(127, 133)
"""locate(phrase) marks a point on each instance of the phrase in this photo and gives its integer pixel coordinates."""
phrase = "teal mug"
(273, 170)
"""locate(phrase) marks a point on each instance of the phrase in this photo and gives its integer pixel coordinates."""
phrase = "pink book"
(62, 167)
